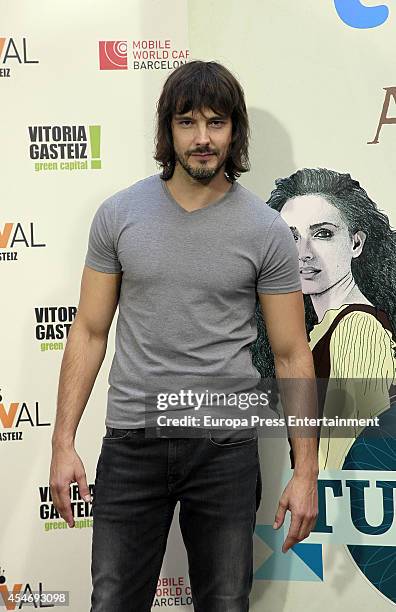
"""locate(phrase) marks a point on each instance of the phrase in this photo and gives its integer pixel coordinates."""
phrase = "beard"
(201, 172)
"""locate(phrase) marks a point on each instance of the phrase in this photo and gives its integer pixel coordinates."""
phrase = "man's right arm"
(83, 356)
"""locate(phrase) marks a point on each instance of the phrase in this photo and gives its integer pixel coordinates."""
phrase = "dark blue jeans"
(138, 482)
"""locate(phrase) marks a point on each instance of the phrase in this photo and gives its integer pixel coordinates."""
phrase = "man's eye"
(216, 122)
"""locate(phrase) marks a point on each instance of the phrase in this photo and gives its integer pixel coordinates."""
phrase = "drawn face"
(325, 248)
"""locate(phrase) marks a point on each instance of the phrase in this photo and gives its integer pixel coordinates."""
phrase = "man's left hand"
(301, 498)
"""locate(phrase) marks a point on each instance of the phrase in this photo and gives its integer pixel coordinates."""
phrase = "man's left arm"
(284, 319)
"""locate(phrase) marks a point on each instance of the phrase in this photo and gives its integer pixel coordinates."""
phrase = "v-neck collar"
(197, 210)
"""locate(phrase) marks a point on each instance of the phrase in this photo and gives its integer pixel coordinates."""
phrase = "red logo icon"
(113, 55)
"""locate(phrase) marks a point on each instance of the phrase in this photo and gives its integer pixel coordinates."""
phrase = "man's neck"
(192, 194)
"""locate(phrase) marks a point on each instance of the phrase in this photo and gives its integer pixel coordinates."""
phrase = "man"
(184, 254)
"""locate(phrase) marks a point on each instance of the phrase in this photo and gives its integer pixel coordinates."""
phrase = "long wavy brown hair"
(192, 87)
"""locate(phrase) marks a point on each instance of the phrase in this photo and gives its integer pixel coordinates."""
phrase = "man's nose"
(201, 135)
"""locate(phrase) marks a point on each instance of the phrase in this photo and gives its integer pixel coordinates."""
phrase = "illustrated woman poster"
(347, 256)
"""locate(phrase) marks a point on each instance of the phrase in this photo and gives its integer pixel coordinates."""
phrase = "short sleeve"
(279, 272)
(101, 254)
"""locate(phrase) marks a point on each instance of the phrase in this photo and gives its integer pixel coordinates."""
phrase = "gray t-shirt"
(188, 290)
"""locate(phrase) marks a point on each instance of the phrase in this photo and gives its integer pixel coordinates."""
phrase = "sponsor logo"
(303, 562)
(53, 324)
(113, 55)
(22, 594)
(357, 15)
(18, 417)
(13, 51)
(19, 234)
(140, 55)
(390, 93)
(50, 517)
(172, 591)
(373, 508)
(65, 147)
(356, 509)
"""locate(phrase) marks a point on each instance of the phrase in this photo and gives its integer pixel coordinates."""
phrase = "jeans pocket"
(112, 433)
(232, 438)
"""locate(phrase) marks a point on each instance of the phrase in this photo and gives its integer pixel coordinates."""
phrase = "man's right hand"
(67, 467)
